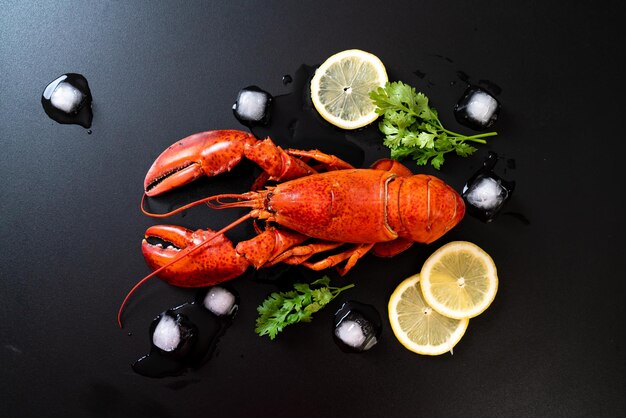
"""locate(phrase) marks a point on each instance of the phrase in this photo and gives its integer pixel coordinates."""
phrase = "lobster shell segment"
(343, 206)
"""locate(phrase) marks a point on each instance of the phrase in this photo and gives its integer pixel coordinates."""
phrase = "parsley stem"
(338, 290)
(473, 138)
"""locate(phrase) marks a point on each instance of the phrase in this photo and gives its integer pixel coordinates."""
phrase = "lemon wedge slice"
(341, 85)
(459, 280)
(417, 326)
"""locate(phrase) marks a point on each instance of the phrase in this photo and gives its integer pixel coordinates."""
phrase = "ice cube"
(167, 334)
(357, 327)
(351, 333)
(253, 106)
(485, 193)
(66, 97)
(220, 301)
(477, 109)
(173, 333)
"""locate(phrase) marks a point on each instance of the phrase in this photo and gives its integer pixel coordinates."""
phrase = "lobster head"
(427, 208)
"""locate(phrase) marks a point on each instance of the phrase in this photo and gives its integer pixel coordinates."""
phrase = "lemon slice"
(341, 85)
(459, 280)
(417, 326)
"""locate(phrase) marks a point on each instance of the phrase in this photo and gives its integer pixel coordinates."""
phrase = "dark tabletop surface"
(551, 344)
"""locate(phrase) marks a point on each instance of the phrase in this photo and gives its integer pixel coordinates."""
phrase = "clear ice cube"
(67, 100)
(220, 301)
(486, 193)
(167, 334)
(253, 106)
(356, 332)
(357, 327)
(477, 109)
(66, 97)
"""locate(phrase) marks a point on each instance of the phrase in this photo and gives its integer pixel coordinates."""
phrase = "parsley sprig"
(286, 308)
(412, 128)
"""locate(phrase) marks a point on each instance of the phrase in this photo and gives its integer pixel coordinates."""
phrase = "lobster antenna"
(180, 257)
(241, 200)
(173, 212)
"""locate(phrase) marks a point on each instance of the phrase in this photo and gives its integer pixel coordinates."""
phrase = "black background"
(551, 344)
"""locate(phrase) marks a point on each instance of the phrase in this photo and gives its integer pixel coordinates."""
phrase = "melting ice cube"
(357, 327)
(355, 332)
(66, 97)
(167, 334)
(253, 106)
(485, 193)
(477, 109)
(173, 333)
(220, 301)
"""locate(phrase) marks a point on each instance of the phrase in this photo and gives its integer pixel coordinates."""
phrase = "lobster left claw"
(206, 153)
(217, 262)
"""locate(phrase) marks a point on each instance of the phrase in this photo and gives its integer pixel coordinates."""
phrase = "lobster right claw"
(215, 263)
(206, 153)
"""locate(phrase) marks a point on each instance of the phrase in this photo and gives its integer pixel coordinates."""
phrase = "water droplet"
(287, 79)
(463, 76)
(490, 86)
(510, 163)
(519, 216)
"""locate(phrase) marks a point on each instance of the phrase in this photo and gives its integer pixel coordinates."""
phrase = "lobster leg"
(330, 162)
(269, 244)
(352, 255)
(276, 162)
(299, 254)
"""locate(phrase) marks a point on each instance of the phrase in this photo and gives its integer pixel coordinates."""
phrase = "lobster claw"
(215, 263)
(206, 153)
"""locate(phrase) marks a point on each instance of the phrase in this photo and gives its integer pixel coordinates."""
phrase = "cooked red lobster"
(319, 205)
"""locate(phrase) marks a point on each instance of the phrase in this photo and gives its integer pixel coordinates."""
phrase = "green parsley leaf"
(412, 128)
(287, 308)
